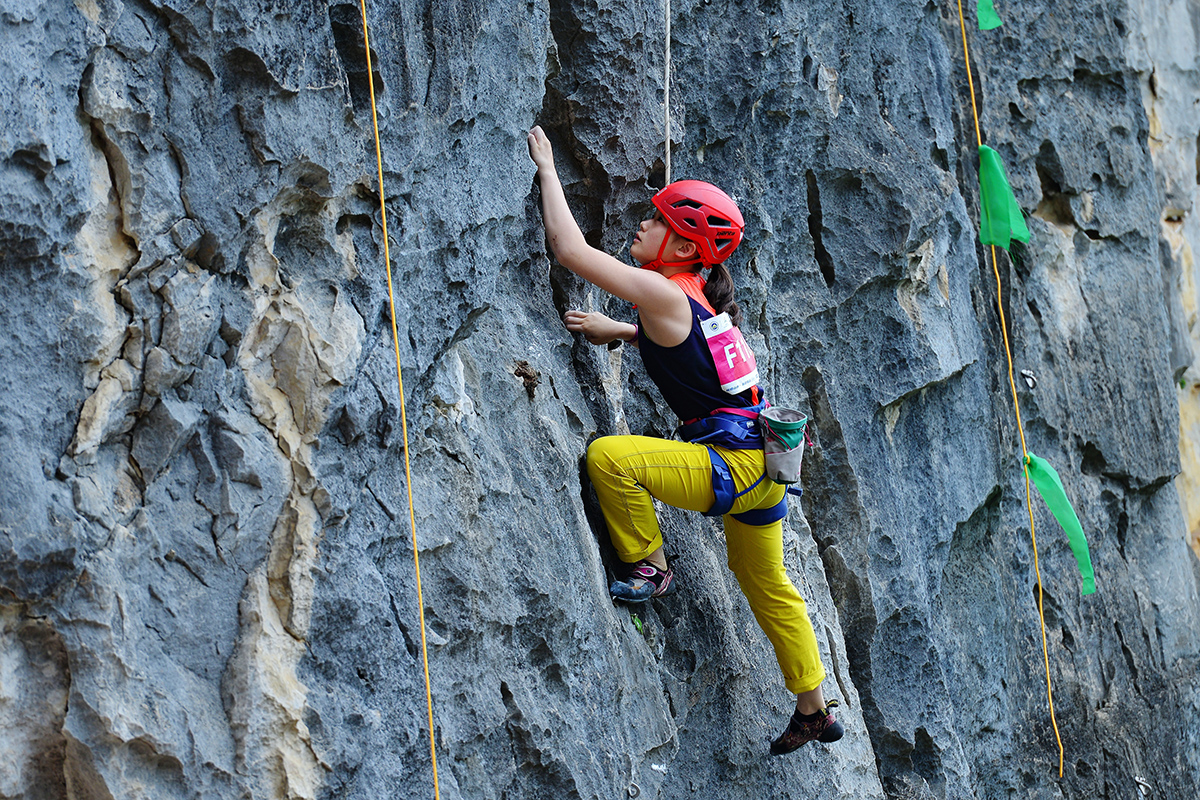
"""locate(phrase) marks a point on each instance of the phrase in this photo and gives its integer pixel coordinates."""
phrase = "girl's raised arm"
(654, 295)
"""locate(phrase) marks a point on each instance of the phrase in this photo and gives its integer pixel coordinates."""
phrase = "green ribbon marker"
(988, 18)
(1049, 485)
(1000, 218)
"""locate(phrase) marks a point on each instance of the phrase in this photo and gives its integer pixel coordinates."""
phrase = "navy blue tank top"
(685, 373)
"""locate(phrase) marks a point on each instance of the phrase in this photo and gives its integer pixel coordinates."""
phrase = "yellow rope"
(1017, 408)
(387, 260)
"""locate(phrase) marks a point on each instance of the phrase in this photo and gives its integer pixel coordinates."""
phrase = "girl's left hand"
(539, 148)
(597, 328)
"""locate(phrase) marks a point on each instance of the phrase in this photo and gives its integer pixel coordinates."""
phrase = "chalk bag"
(783, 442)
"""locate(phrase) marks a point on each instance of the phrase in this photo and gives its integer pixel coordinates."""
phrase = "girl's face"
(649, 239)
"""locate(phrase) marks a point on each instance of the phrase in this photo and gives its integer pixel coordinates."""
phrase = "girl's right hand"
(539, 148)
(597, 328)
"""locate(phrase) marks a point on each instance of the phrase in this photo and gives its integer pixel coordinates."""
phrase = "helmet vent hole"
(685, 203)
(719, 222)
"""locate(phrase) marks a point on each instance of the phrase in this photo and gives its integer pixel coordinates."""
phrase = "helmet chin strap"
(658, 262)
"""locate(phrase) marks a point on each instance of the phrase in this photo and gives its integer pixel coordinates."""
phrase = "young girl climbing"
(689, 342)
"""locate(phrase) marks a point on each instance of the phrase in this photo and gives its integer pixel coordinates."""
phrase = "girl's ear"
(687, 249)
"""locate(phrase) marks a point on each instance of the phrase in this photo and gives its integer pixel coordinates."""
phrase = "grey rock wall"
(206, 576)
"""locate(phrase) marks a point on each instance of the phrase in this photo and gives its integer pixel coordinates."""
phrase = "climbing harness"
(731, 428)
(725, 493)
(387, 260)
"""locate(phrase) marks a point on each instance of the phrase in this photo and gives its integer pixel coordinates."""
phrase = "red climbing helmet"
(702, 213)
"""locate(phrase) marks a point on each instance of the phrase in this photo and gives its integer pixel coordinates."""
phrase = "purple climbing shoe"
(643, 582)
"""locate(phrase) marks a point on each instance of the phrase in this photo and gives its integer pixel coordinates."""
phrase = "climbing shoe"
(804, 728)
(643, 582)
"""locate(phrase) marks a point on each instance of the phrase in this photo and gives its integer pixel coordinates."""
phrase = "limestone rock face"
(206, 578)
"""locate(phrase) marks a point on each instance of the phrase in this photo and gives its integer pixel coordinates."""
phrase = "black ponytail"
(719, 292)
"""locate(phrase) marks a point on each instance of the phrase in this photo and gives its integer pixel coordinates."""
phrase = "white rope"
(667, 94)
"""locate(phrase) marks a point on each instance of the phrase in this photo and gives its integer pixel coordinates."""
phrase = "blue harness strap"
(725, 493)
(724, 490)
(734, 433)
(733, 429)
(765, 516)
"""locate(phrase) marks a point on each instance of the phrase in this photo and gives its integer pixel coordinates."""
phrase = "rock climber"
(709, 381)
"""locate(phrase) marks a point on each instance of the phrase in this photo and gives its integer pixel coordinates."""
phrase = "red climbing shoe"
(643, 582)
(804, 728)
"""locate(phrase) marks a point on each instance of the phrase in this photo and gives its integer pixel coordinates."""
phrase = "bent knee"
(602, 455)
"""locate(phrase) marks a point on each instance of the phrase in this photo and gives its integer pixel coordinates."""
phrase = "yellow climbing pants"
(628, 470)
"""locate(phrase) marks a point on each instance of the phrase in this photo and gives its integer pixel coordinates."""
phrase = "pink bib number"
(731, 355)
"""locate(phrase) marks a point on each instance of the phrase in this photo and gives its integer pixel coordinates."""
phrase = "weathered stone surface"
(206, 575)
(33, 703)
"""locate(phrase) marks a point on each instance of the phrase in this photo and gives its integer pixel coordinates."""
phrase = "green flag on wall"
(1000, 219)
(1049, 485)
(988, 18)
